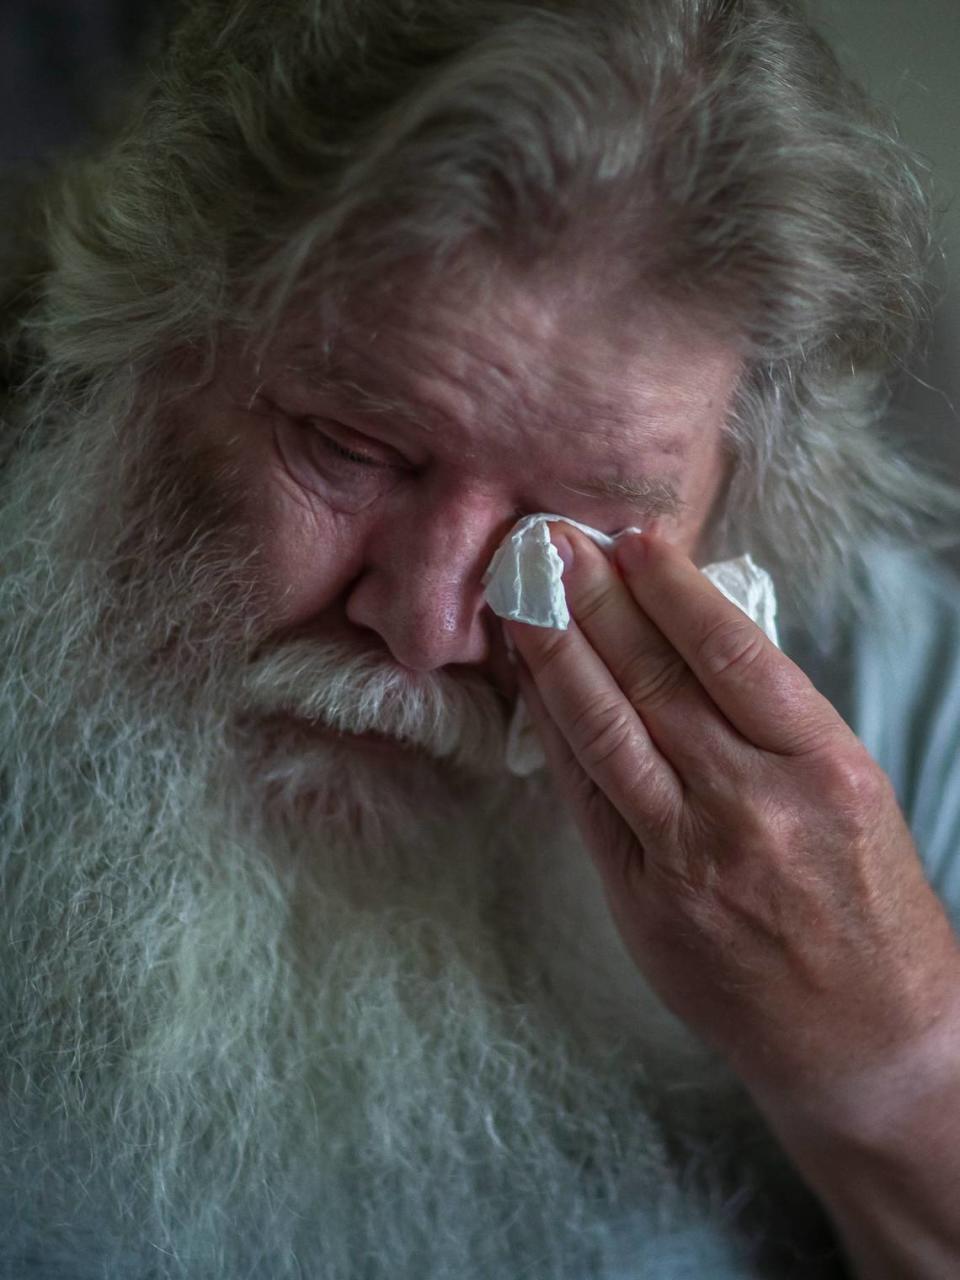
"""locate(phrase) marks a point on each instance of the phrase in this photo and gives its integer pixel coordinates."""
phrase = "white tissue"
(750, 588)
(524, 581)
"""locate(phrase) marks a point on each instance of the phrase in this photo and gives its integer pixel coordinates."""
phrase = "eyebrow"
(324, 377)
(651, 495)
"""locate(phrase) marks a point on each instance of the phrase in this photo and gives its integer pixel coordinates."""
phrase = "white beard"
(275, 1009)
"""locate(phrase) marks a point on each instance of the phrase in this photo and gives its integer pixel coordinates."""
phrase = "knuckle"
(592, 599)
(653, 795)
(731, 647)
(600, 732)
(809, 731)
(651, 679)
(852, 782)
(548, 646)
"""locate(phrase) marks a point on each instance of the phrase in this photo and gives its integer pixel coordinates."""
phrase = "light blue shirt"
(895, 679)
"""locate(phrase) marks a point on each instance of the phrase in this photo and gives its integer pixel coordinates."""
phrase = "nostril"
(423, 595)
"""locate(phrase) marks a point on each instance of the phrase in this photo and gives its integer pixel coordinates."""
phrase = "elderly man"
(299, 980)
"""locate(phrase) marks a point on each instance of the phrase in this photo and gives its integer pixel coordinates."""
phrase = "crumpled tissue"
(524, 581)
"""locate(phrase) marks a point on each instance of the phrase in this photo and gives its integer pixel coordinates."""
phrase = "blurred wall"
(907, 52)
(63, 64)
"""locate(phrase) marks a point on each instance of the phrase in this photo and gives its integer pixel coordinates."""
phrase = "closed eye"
(351, 455)
(349, 445)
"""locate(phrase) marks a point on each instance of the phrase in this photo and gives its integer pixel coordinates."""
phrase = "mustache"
(460, 718)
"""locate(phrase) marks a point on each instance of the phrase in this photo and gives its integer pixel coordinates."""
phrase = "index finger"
(757, 687)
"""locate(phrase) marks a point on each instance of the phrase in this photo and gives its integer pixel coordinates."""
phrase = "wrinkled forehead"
(495, 347)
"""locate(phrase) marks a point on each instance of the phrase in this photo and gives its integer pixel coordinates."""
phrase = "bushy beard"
(274, 1007)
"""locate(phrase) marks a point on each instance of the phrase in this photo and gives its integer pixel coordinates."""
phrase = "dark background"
(63, 64)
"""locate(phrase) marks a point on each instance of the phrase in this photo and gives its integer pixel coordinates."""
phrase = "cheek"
(307, 552)
(302, 553)
(309, 558)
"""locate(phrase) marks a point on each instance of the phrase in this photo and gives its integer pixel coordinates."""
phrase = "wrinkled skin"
(379, 483)
(754, 855)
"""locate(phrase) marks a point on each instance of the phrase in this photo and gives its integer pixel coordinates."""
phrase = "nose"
(421, 586)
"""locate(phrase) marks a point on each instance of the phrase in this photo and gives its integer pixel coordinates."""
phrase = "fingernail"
(564, 548)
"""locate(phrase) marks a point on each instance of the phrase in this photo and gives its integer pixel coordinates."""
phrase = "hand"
(753, 855)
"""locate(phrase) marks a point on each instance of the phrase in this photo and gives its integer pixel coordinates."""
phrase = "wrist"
(887, 1112)
(881, 1150)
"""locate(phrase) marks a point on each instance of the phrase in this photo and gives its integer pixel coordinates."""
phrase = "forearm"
(884, 1158)
(898, 1217)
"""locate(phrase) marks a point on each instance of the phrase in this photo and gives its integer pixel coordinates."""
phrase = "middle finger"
(681, 718)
